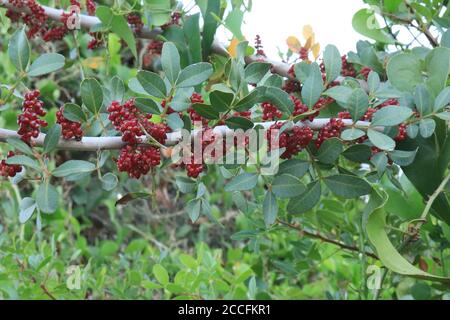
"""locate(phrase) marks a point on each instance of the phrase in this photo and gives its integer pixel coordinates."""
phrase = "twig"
(112, 143)
(317, 235)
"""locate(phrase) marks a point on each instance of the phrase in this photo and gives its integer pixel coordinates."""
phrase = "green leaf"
(117, 88)
(330, 150)
(294, 167)
(194, 74)
(73, 112)
(209, 25)
(193, 208)
(404, 71)
(333, 62)
(192, 36)
(118, 25)
(305, 201)
(254, 97)
(242, 182)
(19, 50)
(24, 161)
(313, 86)
(233, 22)
(380, 161)
(376, 231)
(185, 185)
(443, 115)
(47, 198)
(359, 153)
(161, 274)
(287, 186)
(239, 123)
(255, 71)
(442, 100)
(358, 103)
(73, 167)
(206, 111)
(422, 99)
(352, 134)
(92, 94)
(391, 116)
(170, 61)
(438, 68)
(427, 127)
(365, 23)
(27, 208)
(279, 98)
(348, 186)
(380, 140)
(270, 209)
(52, 138)
(148, 106)
(373, 81)
(46, 63)
(220, 100)
(152, 84)
(412, 131)
(174, 121)
(19, 145)
(403, 158)
(340, 93)
(109, 181)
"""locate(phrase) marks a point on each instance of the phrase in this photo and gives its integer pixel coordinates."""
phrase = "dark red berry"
(138, 160)
(9, 170)
(330, 130)
(29, 120)
(70, 129)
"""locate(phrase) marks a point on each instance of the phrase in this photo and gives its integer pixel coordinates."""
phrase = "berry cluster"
(91, 7)
(138, 160)
(330, 130)
(364, 72)
(294, 141)
(29, 122)
(96, 41)
(196, 98)
(35, 17)
(174, 20)
(9, 170)
(132, 123)
(270, 112)
(153, 48)
(70, 129)
(135, 22)
(347, 68)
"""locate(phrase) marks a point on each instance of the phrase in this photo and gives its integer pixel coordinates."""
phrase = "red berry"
(330, 130)
(138, 160)
(29, 121)
(270, 111)
(364, 72)
(9, 170)
(347, 68)
(135, 22)
(70, 129)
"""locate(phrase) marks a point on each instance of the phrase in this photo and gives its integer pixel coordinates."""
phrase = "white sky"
(275, 20)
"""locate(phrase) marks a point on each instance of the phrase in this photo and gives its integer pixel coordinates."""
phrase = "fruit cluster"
(132, 123)
(330, 130)
(138, 160)
(9, 170)
(135, 22)
(195, 117)
(69, 129)
(29, 121)
(294, 141)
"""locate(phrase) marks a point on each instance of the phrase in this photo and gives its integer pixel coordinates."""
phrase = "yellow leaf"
(232, 47)
(309, 43)
(307, 31)
(93, 62)
(315, 50)
(294, 44)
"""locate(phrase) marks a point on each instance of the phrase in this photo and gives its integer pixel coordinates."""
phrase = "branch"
(111, 143)
(317, 235)
(89, 21)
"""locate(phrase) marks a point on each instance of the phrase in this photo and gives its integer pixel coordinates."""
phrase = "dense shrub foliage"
(116, 119)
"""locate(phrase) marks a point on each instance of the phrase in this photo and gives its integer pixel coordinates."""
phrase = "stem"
(317, 235)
